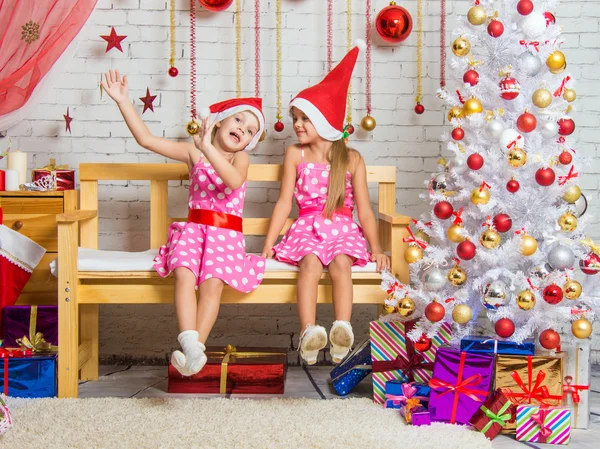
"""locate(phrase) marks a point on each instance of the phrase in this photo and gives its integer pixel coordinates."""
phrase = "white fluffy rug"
(222, 423)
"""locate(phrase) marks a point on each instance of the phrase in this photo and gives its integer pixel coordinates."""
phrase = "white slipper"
(342, 339)
(312, 340)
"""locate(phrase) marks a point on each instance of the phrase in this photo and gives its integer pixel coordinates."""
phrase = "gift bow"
(536, 392)
(500, 418)
(405, 365)
(589, 242)
(53, 167)
(36, 344)
(573, 389)
(539, 417)
(413, 239)
(407, 397)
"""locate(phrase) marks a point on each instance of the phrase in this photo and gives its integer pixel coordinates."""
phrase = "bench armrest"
(76, 216)
(395, 218)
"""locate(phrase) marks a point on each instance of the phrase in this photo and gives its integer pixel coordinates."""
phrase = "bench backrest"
(160, 174)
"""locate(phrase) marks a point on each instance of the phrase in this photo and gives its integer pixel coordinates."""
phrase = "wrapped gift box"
(421, 418)
(488, 345)
(408, 410)
(348, 374)
(393, 355)
(576, 382)
(537, 424)
(27, 375)
(63, 176)
(398, 392)
(460, 384)
(26, 323)
(235, 370)
(493, 415)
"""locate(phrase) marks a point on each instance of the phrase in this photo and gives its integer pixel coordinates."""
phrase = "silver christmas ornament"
(530, 64)
(580, 206)
(439, 183)
(458, 164)
(494, 128)
(511, 138)
(533, 25)
(540, 271)
(495, 295)
(434, 279)
(549, 129)
(561, 257)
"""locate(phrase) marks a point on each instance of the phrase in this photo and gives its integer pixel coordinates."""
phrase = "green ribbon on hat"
(346, 134)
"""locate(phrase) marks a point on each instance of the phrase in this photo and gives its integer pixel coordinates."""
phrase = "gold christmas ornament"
(528, 245)
(480, 196)
(570, 95)
(476, 15)
(368, 123)
(193, 128)
(406, 307)
(567, 222)
(462, 314)
(389, 309)
(516, 157)
(542, 98)
(472, 106)
(581, 328)
(572, 194)
(572, 289)
(457, 276)
(557, 71)
(489, 239)
(455, 112)
(556, 61)
(413, 254)
(421, 235)
(461, 47)
(455, 233)
(525, 300)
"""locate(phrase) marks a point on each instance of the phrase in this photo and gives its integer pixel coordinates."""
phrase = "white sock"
(193, 351)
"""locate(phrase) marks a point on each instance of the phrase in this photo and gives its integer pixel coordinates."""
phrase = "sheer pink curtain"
(33, 35)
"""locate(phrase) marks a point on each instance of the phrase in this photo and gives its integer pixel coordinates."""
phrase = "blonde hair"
(339, 159)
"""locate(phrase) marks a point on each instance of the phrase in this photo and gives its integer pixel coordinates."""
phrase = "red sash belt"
(217, 219)
(318, 210)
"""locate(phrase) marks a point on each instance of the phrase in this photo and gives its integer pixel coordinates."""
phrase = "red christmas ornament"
(349, 129)
(215, 5)
(466, 250)
(509, 88)
(545, 176)
(278, 126)
(458, 133)
(471, 77)
(443, 210)
(504, 327)
(423, 343)
(553, 294)
(526, 122)
(502, 223)
(114, 41)
(550, 19)
(68, 121)
(495, 28)
(513, 186)
(435, 312)
(419, 108)
(475, 161)
(565, 158)
(393, 23)
(147, 100)
(173, 72)
(566, 126)
(525, 7)
(550, 339)
(590, 265)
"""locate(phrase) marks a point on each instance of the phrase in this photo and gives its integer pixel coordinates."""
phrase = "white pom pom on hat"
(361, 44)
(204, 112)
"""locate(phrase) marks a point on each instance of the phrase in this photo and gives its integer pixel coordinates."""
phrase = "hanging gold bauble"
(581, 328)
(389, 309)
(462, 314)
(472, 106)
(406, 307)
(476, 15)
(193, 128)
(461, 47)
(557, 71)
(556, 61)
(455, 112)
(489, 239)
(480, 196)
(572, 194)
(455, 233)
(516, 157)
(525, 300)
(457, 276)
(413, 254)
(567, 222)
(570, 95)
(572, 289)
(421, 235)
(542, 98)
(528, 245)
(368, 123)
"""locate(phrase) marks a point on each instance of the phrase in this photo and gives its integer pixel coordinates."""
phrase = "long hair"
(338, 158)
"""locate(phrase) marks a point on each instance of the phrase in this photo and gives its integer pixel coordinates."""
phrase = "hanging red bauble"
(502, 223)
(466, 250)
(565, 158)
(526, 122)
(495, 28)
(423, 343)
(553, 294)
(458, 133)
(504, 327)
(215, 5)
(475, 161)
(471, 77)
(278, 126)
(173, 72)
(509, 88)
(513, 186)
(443, 210)
(525, 7)
(566, 126)
(350, 130)
(590, 265)
(545, 176)
(550, 339)
(419, 108)
(393, 23)
(550, 19)
(435, 312)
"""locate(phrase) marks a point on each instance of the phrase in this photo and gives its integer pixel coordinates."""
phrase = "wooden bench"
(81, 292)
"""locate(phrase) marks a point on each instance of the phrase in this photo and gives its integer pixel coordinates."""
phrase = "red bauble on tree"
(475, 161)
(393, 23)
(545, 176)
(504, 327)
(215, 5)
(458, 133)
(566, 126)
(565, 158)
(466, 250)
(525, 7)
(550, 339)
(513, 186)
(423, 343)
(278, 126)
(550, 19)
(526, 122)
(590, 265)
(502, 223)
(435, 312)
(443, 210)
(495, 28)
(173, 71)
(509, 88)
(553, 294)
(419, 108)
(471, 77)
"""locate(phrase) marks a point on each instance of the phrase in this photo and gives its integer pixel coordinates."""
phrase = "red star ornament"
(147, 100)
(114, 40)
(68, 121)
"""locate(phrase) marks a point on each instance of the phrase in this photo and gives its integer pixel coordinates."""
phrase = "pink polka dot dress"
(210, 251)
(314, 234)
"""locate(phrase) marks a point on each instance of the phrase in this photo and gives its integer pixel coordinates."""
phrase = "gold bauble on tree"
(516, 157)
(406, 307)
(525, 300)
(556, 62)
(480, 196)
(528, 245)
(368, 123)
(490, 239)
(542, 98)
(455, 233)
(567, 222)
(572, 194)
(421, 235)
(472, 106)
(581, 328)
(457, 276)
(455, 112)
(193, 128)
(572, 289)
(413, 254)
(570, 95)
(461, 47)
(477, 15)
(462, 314)
(389, 309)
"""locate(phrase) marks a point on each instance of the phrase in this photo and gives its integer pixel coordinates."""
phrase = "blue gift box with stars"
(348, 374)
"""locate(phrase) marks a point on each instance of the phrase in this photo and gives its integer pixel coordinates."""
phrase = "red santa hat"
(220, 111)
(325, 103)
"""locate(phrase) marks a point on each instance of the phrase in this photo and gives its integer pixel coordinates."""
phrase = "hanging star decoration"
(114, 40)
(147, 100)
(30, 32)
(68, 121)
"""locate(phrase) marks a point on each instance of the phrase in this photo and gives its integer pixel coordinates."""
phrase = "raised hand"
(116, 86)
(203, 139)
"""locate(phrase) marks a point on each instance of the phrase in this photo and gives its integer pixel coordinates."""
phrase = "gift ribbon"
(53, 167)
(408, 394)
(529, 393)
(539, 417)
(573, 389)
(495, 344)
(500, 418)
(410, 405)
(6, 354)
(35, 341)
(407, 366)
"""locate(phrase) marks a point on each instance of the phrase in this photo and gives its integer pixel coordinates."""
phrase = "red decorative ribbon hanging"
(483, 185)
(558, 92)
(458, 215)
(533, 44)
(393, 287)
(569, 388)
(329, 35)
(520, 231)
(443, 42)
(193, 59)
(533, 287)
(514, 142)
(460, 97)
(413, 239)
(562, 180)
(368, 57)
(257, 48)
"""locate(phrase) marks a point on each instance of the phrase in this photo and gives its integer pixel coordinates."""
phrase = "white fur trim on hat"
(362, 45)
(323, 127)
(241, 108)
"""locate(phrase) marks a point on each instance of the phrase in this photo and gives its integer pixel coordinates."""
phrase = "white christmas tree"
(507, 227)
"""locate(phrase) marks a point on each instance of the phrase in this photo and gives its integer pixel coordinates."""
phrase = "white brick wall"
(403, 139)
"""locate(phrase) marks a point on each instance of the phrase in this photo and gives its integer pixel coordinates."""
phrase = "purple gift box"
(421, 419)
(460, 384)
(26, 321)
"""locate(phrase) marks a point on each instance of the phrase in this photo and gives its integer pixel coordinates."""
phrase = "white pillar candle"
(17, 160)
(11, 180)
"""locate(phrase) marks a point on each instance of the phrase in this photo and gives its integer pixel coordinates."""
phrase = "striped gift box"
(389, 341)
(555, 425)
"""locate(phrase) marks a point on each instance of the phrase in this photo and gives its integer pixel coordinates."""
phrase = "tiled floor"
(313, 382)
